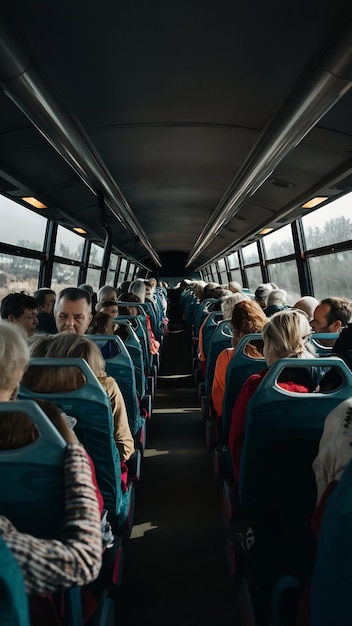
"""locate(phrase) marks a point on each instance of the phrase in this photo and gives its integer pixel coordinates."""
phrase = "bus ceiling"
(186, 122)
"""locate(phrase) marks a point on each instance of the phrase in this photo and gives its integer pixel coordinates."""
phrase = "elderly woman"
(247, 317)
(285, 335)
(79, 550)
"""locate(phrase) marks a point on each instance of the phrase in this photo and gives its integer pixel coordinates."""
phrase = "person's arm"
(122, 433)
(51, 565)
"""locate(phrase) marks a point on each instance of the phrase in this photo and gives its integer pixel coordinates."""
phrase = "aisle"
(175, 571)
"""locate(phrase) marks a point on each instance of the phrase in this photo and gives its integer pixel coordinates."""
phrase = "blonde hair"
(14, 355)
(228, 303)
(288, 332)
(60, 378)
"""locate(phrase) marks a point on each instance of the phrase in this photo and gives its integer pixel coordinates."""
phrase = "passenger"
(107, 293)
(133, 310)
(20, 309)
(79, 550)
(262, 291)
(61, 379)
(102, 324)
(307, 304)
(138, 287)
(276, 301)
(123, 288)
(75, 558)
(93, 295)
(45, 299)
(226, 305)
(331, 316)
(14, 357)
(234, 286)
(335, 450)
(247, 317)
(285, 335)
(73, 310)
(108, 306)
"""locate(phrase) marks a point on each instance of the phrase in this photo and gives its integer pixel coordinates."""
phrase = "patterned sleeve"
(51, 565)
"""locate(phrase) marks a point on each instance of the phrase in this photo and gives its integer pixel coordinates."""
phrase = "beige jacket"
(122, 433)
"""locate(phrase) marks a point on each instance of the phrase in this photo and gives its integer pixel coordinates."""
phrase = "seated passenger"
(247, 317)
(73, 310)
(45, 299)
(307, 304)
(75, 558)
(133, 310)
(276, 301)
(61, 379)
(227, 302)
(331, 316)
(261, 293)
(20, 309)
(108, 306)
(102, 324)
(107, 293)
(285, 335)
(77, 552)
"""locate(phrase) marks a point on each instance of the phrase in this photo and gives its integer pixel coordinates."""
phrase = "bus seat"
(32, 497)
(220, 340)
(205, 307)
(139, 325)
(332, 574)
(91, 406)
(277, 490)
(34, 474)
(13, 597)
(318, 347)
(238, 370)
(118, 364)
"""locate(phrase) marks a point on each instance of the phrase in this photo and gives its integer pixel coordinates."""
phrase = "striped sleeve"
(50, 565)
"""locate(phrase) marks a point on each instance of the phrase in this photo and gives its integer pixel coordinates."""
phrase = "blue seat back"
(203, 310)
(190, 312)
(135, 351)
(282, 434)
(150, 310)
(238, 370)
(91, 406)
(139, 325)
(118, 364)
(13, 598)
(220, 340)
(332, 575)
(318, 347)
(32, 478)
(214, 318)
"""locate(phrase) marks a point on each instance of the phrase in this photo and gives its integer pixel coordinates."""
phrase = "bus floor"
(175, 566)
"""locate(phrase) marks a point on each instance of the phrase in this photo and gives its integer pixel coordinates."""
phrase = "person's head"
(331, 315)
(247, 317)
(285, 335)
(261, 293)
(60, 379)
(20, 309)
(149, 290)
(278, 297)
(108, 306)
(153, 282)
(198, 289)
(88, 288)
(228, 302)
(123, 287)
(107, 293)
(14, 357)
(307, 304)
(45, 299)
(129, 309)
(139, 288)
(73, 310)
(102, 324)
(234, 286)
